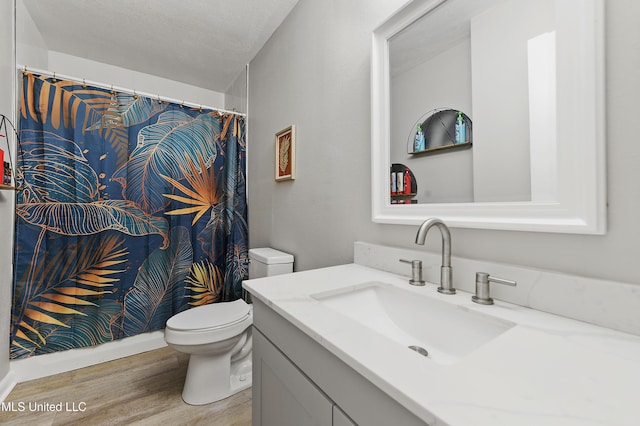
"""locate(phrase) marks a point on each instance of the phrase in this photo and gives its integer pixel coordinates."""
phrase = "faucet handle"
(482, 287)
(416, 271)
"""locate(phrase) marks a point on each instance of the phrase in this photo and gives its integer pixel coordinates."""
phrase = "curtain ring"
(54, 77)
(159, 100)
(84, 84)
(111, 91)
(24, 72)
(135, 96)
(200, 108)
(182, 104)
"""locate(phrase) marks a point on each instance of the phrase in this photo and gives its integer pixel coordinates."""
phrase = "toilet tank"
(265, 262)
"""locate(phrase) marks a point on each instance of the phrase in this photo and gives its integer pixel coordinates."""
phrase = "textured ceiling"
(444, 27)
(205, 43)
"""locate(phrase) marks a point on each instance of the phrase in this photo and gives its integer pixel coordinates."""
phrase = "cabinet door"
(340, 418)
(282, 394)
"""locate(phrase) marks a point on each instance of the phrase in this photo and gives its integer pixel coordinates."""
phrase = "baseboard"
(7, 384)
(40, 366)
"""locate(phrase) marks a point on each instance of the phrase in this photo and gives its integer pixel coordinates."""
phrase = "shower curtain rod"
(53, 74)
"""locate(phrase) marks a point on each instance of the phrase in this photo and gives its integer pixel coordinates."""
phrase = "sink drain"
(422, 351)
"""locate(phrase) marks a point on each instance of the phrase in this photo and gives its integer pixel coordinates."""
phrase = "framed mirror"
(527, 76)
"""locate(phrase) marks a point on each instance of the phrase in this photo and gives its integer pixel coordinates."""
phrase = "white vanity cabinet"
(283, 396)
(298, 382)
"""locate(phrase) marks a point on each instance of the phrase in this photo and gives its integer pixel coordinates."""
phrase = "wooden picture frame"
(286, 154)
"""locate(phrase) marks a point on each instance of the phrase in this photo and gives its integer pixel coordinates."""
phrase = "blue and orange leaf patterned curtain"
(132, 210)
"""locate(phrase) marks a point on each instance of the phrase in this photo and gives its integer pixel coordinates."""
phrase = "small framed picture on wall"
(286, 154)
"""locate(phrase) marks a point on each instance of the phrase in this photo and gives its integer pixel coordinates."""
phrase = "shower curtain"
(132, 209)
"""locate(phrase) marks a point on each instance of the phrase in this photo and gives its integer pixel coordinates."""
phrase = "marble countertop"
(546, 370)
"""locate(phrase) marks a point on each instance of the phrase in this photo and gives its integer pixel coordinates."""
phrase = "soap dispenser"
(419, 144)
(461, 129)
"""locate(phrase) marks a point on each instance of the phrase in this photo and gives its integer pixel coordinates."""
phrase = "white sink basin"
(446, 331)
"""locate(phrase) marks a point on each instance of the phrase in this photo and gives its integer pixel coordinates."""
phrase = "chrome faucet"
(446, 281)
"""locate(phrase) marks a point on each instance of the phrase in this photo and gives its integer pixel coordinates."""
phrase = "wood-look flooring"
(143, 389)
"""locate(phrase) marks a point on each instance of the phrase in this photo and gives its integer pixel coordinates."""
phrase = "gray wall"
(314, 72)
(499, 58)
(235, 98)
(443, 81)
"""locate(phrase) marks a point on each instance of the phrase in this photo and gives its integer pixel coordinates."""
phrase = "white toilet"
(218, 337)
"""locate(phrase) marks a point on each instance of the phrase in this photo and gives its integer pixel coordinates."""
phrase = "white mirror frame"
(581, 204)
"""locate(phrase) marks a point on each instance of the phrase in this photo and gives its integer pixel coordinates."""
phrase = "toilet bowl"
(218, 337)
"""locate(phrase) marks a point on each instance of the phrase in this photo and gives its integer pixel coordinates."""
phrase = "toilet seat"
(210, 323)
(214, 315)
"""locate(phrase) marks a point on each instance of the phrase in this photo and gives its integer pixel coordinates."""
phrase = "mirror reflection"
(473, 104)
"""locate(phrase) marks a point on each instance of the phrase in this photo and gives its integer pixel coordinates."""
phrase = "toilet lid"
(215, 315)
